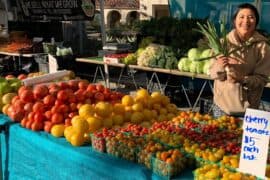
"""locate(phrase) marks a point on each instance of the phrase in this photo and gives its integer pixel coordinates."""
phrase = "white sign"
(254, 150)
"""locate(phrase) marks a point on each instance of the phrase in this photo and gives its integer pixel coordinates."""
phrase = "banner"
(57, 10)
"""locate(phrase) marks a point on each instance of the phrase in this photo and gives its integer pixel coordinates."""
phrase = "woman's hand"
(233, 75)
(222, 61)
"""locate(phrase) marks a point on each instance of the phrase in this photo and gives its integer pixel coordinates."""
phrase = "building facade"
(123, 11)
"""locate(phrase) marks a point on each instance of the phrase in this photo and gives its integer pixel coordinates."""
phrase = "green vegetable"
(199, 66)
(206, 67)
(206, 54)
(184, 64)
(194, 54)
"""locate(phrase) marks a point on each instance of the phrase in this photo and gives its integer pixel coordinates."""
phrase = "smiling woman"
(246, 69)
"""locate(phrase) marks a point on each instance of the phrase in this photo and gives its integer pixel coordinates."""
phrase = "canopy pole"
(102, 23)
(103, 36)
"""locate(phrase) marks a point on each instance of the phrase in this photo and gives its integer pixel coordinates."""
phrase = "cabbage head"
(183, 64)
(194, 54)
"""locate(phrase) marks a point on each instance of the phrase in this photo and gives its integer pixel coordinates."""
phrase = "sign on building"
(57, 10)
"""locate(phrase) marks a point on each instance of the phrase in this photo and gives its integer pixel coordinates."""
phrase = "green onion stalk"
(219, 42)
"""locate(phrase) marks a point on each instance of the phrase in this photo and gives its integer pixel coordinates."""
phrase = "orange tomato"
(39, 106)
(47, 126)
(57, 118)
(49, 100)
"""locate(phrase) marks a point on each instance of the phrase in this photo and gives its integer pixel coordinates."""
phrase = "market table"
(154, 76)
(36, 56)
(38, 155)
(207, 80)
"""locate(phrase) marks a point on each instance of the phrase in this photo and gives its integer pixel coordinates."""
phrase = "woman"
(241, 77)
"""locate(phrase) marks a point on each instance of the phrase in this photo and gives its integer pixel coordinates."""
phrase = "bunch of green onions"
(217, 42)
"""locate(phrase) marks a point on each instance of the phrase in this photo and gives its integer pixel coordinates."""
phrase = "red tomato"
(68, 122)
(73, 107)
(80, 95)
(91, 87)
(58, 102)
(57, 118)
(72, 98)
(22, 88)
(49, 100)
(30, 116)
(29, 124)
(55, 109)
(73, 84)
(37, 126)
(22, 76)
(18, 104)
(106, 95)
(53, 86)
(88, 94)
(39, 117)
(48, 114)
(48, 126)
(63, 85)
(87, 101)
(16, 116)
(26, 95)
(9, 76)
(63, 108)
(62, 95)
(72, 114)
(23, 122)
(39, 106)
(83, 85)
(28, 107)
(113, 97)
(40, 91)
(100, 87)
(107, 90)
(79, 105)
(99, 96)
(14, 99)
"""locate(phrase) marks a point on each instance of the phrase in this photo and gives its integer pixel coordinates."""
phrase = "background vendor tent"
(216, 9)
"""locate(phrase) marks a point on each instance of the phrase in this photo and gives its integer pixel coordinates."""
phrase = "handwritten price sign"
(254, 150)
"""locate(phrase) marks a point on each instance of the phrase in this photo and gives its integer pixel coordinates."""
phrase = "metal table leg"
(186, 95)
(119, 78)
(98, 69)
(199, 96)
(161, 89)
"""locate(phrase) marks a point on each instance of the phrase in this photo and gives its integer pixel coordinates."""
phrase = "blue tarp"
(4, 123)
(38, 155)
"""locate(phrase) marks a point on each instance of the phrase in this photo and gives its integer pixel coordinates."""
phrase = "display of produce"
(197, 61)
(143, 128)
(157, 56)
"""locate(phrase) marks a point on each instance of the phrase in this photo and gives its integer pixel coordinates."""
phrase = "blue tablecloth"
(38, 155)
(4, 123)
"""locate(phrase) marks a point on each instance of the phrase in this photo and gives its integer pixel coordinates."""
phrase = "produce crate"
(144, 158)
(98, 143)
(126, 148)
(167, 170)
(111, 144)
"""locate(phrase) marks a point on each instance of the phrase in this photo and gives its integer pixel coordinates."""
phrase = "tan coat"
(254, 64)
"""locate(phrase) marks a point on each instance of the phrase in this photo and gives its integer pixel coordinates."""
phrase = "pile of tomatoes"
(42, 106)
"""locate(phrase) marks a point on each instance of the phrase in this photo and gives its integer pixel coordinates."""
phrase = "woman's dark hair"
(247, 6)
